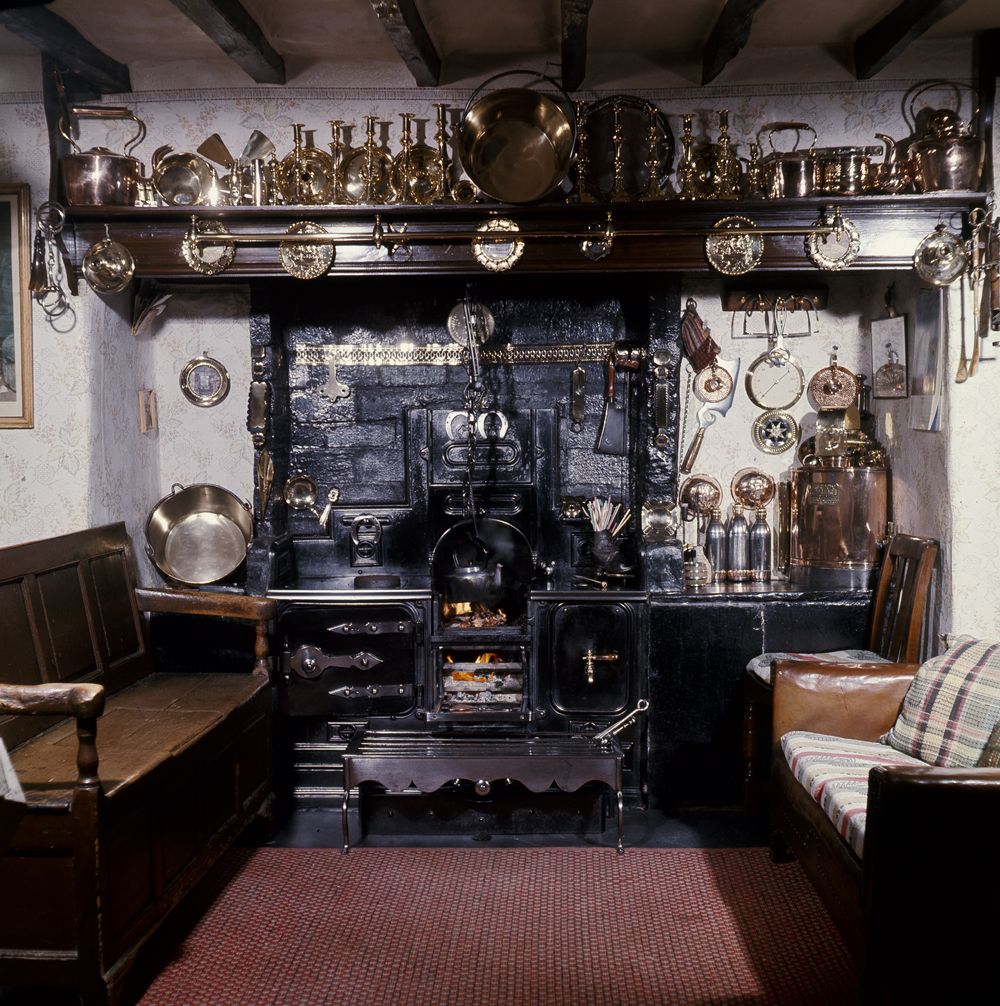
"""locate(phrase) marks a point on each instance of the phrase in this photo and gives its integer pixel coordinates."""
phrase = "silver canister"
(715, 545)
(760, 548)
(738, 547)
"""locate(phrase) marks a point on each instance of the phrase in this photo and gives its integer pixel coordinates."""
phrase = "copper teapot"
(947, 155)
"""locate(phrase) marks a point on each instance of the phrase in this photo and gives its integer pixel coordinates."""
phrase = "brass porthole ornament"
(204, 381)
(712, 383)
(731, 252)
(775, 431)
(302, 259)
(494, 255)
(208, 257)
(834, 387)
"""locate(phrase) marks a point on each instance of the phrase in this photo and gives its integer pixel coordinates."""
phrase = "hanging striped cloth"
(699, 346)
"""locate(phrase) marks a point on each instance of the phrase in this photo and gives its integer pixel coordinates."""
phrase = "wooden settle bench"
(136, 779)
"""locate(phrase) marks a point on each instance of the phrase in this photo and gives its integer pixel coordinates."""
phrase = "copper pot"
(100, 177)
(947, 155)
(791, 173)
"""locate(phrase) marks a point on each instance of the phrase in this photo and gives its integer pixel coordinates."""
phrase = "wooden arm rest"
(193, 602)
(82, 701)
(859, 700)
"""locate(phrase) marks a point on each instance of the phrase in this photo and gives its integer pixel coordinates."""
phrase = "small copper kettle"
(895, 173)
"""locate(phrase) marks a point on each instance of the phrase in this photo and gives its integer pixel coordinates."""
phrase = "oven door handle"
(400, 627)
(308, 662)
(371, 691)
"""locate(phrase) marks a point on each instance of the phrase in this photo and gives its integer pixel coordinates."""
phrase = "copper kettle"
(947, 155)
(100, 177)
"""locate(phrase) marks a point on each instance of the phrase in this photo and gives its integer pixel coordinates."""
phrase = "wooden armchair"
(895, 634)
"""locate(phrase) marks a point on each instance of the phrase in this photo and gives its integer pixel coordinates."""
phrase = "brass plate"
(306, 261)
(108, 266)
(417, 177)
(752, 488)
(835, 252)
(731, 252)
(498, 256)
(367, 176)
(208, 258)
(833, 387)
(712, 384)
(774, 432)
(941, 257)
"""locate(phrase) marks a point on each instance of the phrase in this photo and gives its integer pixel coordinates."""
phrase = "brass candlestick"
(405, 184)
(652, 190)
(582, 193)
(337, 153)
(368, 192)
(753, 183)
(618, 192)
(726, 168)
(441, 139)
(687, 174)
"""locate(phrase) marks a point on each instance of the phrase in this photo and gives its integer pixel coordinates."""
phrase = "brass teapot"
(947, 155)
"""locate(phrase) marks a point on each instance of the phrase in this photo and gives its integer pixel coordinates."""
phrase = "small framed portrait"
(204, 381)
(889, 378)
(147, 410)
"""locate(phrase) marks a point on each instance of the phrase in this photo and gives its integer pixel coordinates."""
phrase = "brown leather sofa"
(919, 907)
(136, 779)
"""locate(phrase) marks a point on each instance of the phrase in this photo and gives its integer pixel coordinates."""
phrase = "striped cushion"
(761, 665)
(951, 706)
(834, 771)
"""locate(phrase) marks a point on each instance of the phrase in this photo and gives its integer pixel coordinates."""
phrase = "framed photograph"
(889, 379)
(16, 407)
(147, 410)
(204, 381)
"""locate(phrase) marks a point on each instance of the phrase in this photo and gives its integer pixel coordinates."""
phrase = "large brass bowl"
(516, 144)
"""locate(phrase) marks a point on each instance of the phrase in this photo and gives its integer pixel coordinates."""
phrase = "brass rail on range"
(435, 354)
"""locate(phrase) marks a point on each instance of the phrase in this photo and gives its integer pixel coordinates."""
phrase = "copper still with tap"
(839, 502)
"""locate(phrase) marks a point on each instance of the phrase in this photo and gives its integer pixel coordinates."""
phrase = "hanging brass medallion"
(208, 257)
(498, 256)
(731, 252)
(774, 431)
(752, 488)
(302, 259)
(712, 383)
(837, 250)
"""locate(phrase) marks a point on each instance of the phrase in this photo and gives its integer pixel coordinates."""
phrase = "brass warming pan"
(516, 144)
(199, 533)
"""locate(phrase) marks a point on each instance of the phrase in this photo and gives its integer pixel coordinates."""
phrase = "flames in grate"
(465, 615)
(469, 683)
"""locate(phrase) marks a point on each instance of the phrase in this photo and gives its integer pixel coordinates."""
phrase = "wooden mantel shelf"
(651, 236)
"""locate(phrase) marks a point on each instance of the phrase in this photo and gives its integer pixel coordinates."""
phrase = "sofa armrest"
(858, 700)
(83, 701)
(194, 602)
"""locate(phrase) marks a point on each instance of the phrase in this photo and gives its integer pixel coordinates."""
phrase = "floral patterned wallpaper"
(86, 462)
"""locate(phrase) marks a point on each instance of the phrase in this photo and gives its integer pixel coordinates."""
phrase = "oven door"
(349, 661)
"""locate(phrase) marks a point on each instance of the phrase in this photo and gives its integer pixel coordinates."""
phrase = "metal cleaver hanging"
(611, 438)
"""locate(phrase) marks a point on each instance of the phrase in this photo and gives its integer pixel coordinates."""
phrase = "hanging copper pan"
(516, 144)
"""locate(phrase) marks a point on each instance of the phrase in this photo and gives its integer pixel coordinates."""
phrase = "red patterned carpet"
(546, 927)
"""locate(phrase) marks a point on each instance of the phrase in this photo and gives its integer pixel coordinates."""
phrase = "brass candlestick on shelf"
(753, 183)
(404, 185)
(441, 139)
(726, 167)
(618, 191)
(581, 193)
(687, 173)
(652, 190)
(337, 153)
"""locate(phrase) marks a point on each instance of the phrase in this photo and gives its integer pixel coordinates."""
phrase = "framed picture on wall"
(889, 357)
(16, 409)
(926, 370)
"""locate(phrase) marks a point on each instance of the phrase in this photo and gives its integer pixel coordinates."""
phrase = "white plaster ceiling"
(474, 38)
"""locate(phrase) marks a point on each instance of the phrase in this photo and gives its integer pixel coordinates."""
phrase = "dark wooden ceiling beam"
(882, 43)
(575, 15)
(235, 32)
(402, 23)
(728, 36)
(57, 38)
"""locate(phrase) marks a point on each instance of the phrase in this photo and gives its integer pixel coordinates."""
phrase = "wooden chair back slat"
(901, 597)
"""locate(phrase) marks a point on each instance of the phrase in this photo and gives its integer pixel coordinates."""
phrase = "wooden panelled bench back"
(136, 778)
